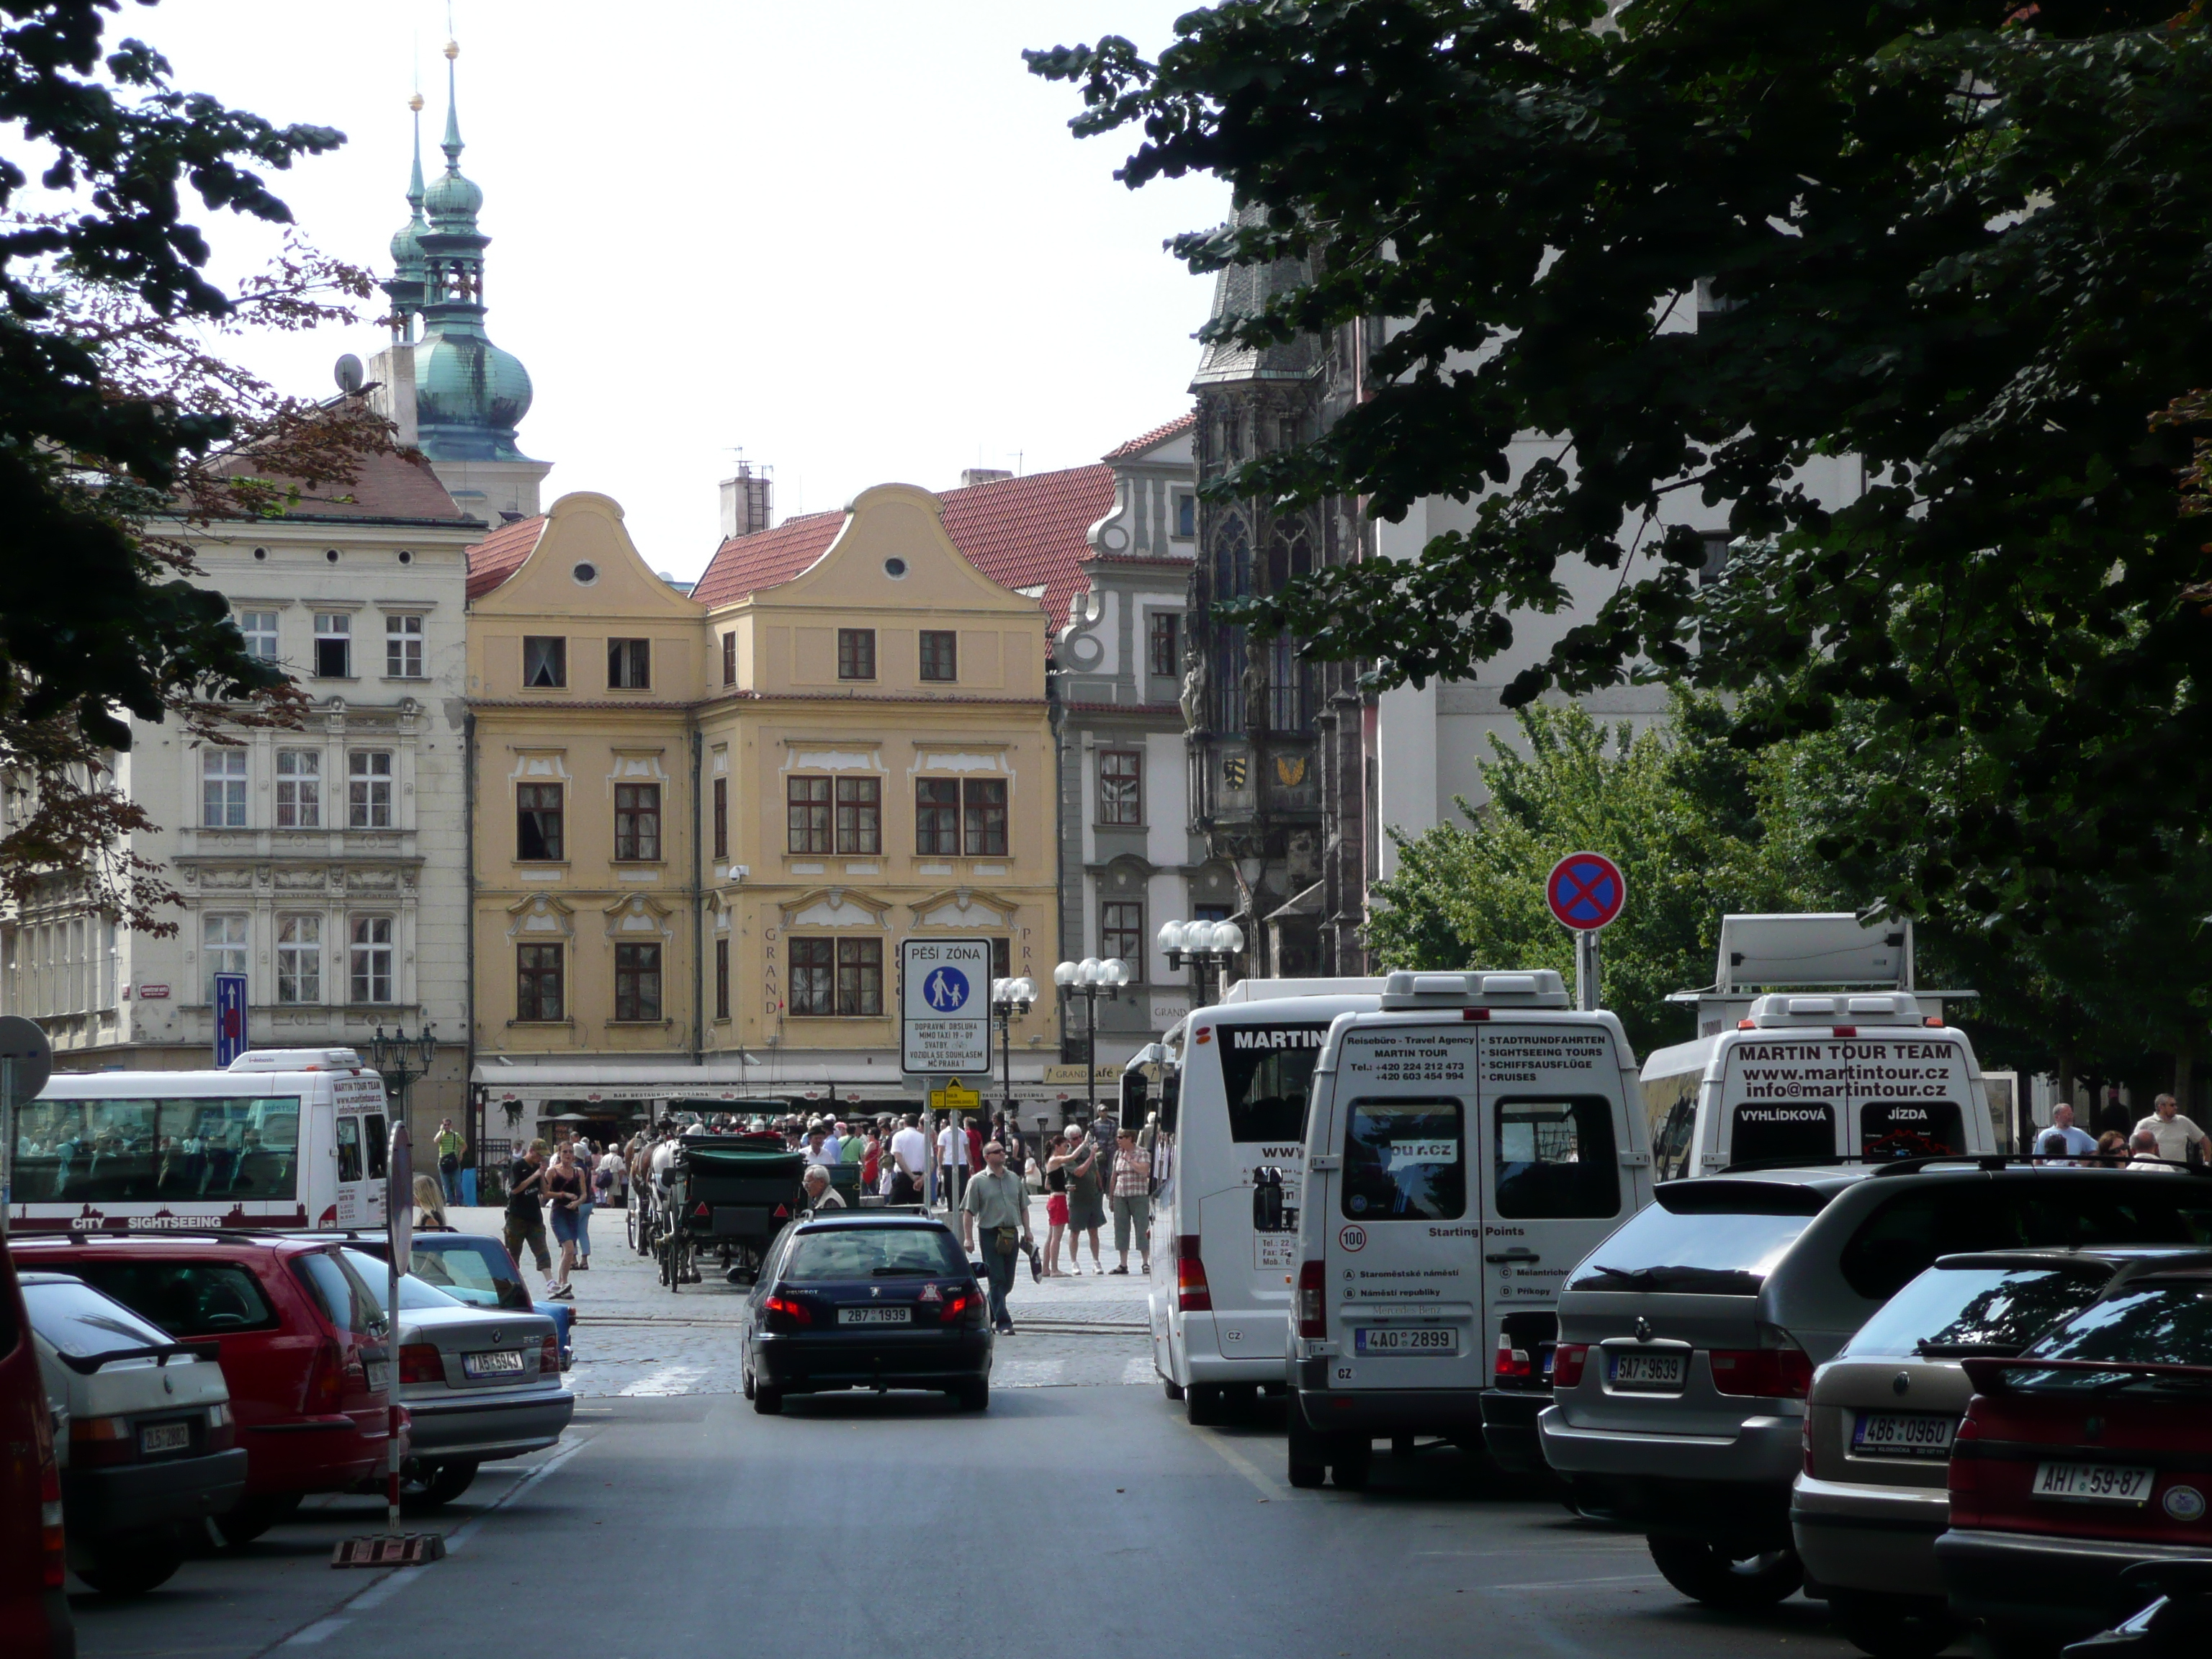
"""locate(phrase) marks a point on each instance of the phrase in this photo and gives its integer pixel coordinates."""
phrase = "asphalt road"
(1081, 1515)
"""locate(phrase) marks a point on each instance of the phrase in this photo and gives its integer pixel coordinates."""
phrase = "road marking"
(1244, 1466)
(668, 1380)
(1574, 1584)
(319, 1631)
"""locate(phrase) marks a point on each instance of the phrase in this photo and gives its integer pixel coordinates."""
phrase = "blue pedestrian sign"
(229, 1017)
(944, 1006)
(945, 989)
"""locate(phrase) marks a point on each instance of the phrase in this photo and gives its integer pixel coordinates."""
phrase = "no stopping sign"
(1585, 890)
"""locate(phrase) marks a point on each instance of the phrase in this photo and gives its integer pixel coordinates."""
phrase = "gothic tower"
(447, 388)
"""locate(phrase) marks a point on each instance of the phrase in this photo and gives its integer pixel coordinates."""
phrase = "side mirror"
(1171, 1099)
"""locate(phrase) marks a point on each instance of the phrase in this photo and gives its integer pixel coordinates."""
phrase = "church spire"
(453, 143)
(408, 284)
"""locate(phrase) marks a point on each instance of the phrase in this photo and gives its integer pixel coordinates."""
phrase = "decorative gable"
(541, 916)
(965, 907)
(834, 907)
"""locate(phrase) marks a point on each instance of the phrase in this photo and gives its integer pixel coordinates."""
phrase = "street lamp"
(1202, 945)
(1086, 979)
(1011, 998)
(400, 1058)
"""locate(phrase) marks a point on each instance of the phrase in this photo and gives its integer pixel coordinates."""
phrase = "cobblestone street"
(634, 1338)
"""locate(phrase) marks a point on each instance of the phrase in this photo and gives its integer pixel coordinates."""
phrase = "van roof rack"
(1541, 988)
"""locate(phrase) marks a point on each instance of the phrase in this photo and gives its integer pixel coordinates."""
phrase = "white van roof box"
(297, 1059)
(1831, 950)
(1272, 990)
(1889, 1008)
(1541, 989)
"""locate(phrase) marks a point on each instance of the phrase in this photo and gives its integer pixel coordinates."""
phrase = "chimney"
(972, 476)
(747, 501)
(393, 369)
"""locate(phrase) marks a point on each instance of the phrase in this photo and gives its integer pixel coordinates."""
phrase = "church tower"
(442, 383)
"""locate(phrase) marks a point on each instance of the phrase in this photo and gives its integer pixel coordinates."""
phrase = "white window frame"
(300, 958)
(368, 790)
(226, 946)
(369, 960)
(403, 646)
(223, 777)
(259, 627)
(334, 625)
(299, 788)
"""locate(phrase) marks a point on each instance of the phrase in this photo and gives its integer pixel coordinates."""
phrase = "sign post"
(229, 1018)
(27, 1060)
(1586, 892)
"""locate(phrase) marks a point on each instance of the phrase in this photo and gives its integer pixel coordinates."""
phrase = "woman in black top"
(564, 1199)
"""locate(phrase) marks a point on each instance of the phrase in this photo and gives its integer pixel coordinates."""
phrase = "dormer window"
(630, 664)
(544, 661)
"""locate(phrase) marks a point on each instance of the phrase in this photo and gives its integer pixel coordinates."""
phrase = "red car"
(33, 1562)
(294, 1324)
(2090, 1452)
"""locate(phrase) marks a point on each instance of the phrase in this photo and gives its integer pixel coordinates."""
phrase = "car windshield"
(1709, 1253)
(479, 1274)
(848, 1253)
(413, 1293)
(2168, 1323)
(80, 1321)
(185, 1298)
(1948, 1313)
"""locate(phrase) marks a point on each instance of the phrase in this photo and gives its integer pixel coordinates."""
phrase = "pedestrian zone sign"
(944, 1006)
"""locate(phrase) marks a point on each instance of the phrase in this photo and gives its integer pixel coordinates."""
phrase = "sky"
(852, 238)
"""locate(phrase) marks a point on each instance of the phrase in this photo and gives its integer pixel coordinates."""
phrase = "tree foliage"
(1962, 240)
(122, 425)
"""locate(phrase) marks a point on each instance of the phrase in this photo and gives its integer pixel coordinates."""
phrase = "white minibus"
(1229, 1164)
(282, 1138)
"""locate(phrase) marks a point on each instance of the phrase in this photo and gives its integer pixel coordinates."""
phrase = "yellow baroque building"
(702, 824)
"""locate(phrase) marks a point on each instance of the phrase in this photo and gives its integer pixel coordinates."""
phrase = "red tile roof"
(501, 554)
(1139, 445)
(388, 486)
(1020, 533)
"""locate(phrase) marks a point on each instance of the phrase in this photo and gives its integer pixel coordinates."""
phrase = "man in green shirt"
(450, 1146)
(997, 1202)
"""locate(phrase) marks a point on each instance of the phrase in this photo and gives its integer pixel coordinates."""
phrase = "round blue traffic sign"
(1586, 890)
(945, 990)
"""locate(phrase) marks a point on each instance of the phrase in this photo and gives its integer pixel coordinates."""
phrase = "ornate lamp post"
(1010, 999)
(399, 1059)
(1201, 944)
(1086, 979)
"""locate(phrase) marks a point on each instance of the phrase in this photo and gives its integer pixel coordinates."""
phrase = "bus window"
(1911, 1128)
(117, 1151)
(350, 1148)
(1798, 1132)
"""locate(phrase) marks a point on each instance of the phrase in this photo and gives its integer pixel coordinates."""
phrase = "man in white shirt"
(2175, 1133)
(910, 1153)
(2061, 1139)
(951, 1160)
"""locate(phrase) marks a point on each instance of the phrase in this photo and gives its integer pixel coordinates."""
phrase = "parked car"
(480, 1384)
(1879, 1421)
(293, 1329)
(33, 1549)
(477, 1269)
(2086, 1455)
(866, 1301)
(151, 1447)
(1688, 1339)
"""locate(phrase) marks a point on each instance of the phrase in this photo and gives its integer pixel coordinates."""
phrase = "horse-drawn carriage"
(727, 1197)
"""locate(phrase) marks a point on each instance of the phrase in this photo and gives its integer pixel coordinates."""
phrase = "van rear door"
(358, 1151)
(1810, 1096)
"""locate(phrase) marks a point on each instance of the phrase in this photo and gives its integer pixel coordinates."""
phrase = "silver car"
(480, 1384)
(1688, 1340)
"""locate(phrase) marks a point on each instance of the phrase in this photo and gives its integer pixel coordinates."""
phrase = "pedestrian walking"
(952, 1165)
(2180, 1141)
(564, 1196)
(1086, 1206)
(976, 1140)
(1132, 1202)
(997, 1204)
(525, 1221)
(833, 1146)
(2062, 1139)
(581, 1151)
(820, 1195)
(909, 1159)
(449, 1145)
(607, 1179)
(429, 1204)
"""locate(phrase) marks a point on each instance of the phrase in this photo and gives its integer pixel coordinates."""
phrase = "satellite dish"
(350, 374)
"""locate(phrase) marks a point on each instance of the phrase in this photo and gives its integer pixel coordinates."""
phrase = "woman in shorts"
(1055, 1215)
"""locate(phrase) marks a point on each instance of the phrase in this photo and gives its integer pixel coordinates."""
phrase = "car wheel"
(130, 1563)
(1354, 1456)
(425, 1487)
(745, 1382)
(1712, 1574)
(1308, 1466)
(1170, 1388)
(1893, 1626)
(769, 1402)
(975, 1396)
(255, 1516)
(1201, 1404)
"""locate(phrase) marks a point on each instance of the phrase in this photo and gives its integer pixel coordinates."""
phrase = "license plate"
(164, 1438)
(2093, 1483)
(1903, 1434)
(875, 1315)
(379, 1375)
(1411, 1338)
(502, 1362)
(1647, 1370)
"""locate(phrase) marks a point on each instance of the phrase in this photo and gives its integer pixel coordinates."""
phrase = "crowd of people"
(2163, 1139)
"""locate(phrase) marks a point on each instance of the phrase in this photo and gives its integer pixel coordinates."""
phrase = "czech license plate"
(875, 1315)
(1903, 1434)
(1669, 1369)
(500, 1362)
(2093, 1483)
(164, 1438)
(1408, 1338)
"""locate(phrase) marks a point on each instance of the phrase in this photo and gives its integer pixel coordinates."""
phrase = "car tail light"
(1513, 1364)
(963, 1306)
(326, 1378)
(1193, 1293)
(1567, 1362)
(354, 1378)
(95, 1441)
(419, 1363)
(53, 1550)
(1313, 1314)
(222, 1429)
(786, 1312)
(548, 1355)
(1769, 1373)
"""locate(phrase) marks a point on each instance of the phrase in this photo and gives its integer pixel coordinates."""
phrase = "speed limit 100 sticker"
(1353, 1237)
